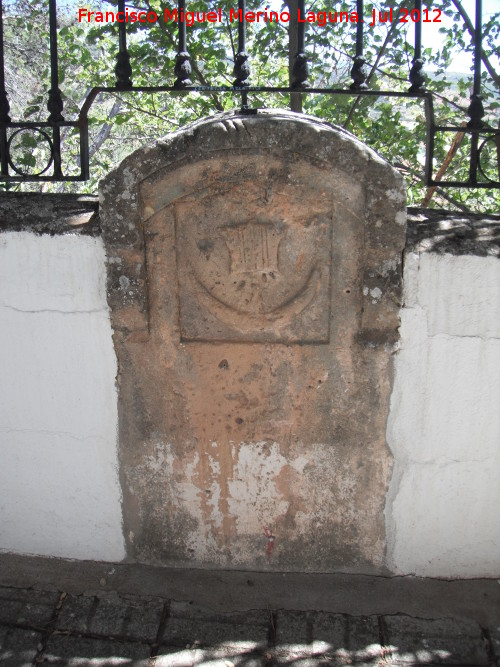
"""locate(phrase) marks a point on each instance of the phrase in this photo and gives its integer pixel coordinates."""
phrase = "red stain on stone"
(270, 542)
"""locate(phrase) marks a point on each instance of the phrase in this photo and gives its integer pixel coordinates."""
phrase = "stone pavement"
(110, 628)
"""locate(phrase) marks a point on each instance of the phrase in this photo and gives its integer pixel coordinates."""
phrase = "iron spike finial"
(241, 70)
(123, 70)
(359, 74)
(300, 71)
(475, 111)
(55, 106)
(417, 75)
(182, 70)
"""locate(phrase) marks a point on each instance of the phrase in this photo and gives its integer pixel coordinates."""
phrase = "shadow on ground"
(54, 628)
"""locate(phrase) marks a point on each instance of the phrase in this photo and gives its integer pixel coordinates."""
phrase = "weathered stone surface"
(291, 628)
(49, 213)
(134, 618)
(254, 282)
(63, 650)
(253, 263)
(187, 633)
(196, 612)
(450, 233)
(76, 614)
(25, 607)
(214, 656)
(320, 638)
(216, 637)
(18, 647)
(440, 641)
(347, 637)
(169, 656)
(495, 640)
(192, 625)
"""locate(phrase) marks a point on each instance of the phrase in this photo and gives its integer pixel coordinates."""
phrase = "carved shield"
(256, 272)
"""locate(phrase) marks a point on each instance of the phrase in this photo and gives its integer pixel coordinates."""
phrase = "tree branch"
(470, 27)
(442, 193)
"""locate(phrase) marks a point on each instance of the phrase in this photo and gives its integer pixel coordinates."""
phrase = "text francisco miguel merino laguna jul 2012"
(266, 15)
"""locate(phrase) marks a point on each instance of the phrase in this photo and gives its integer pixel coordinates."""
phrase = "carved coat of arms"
(255, 280)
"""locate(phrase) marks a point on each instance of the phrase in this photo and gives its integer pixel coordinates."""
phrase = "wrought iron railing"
(50, 130)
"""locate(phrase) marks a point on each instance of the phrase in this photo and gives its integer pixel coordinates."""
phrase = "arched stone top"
(308, 163)
(268, 130)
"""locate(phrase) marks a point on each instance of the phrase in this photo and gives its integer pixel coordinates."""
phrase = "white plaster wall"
(59, 490)
(444, 427)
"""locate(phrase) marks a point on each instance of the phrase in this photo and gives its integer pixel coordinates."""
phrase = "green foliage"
(120, 122)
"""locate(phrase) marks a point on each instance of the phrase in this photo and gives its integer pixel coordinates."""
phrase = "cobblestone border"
(44, 627)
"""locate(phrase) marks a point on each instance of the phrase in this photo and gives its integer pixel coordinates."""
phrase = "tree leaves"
(121, 122)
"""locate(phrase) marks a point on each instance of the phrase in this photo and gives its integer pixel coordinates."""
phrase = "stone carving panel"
(256, 271)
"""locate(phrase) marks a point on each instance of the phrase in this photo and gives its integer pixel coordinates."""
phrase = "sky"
(431, 36)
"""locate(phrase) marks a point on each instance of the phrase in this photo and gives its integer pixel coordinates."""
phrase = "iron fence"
(49, 131)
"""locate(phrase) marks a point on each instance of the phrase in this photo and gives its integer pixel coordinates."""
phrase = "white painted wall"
(442, 513)
(59, 490)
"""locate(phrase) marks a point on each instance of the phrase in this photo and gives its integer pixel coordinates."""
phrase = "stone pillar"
(254, 277)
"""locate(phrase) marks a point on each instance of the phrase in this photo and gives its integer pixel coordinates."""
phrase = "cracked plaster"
(444, 422)
(58, 478)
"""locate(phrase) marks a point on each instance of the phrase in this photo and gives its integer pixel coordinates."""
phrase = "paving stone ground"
(54, 628)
